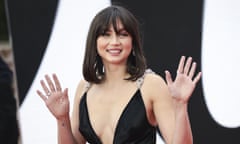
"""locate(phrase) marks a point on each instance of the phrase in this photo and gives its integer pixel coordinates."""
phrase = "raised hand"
(184, 84)
(55, 99)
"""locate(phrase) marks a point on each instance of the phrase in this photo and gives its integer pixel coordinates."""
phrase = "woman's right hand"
(55, 99)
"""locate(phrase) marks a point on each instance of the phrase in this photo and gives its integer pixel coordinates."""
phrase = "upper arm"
(75, 113)
(162, 106)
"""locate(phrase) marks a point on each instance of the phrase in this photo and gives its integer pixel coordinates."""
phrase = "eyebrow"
(118, 30)
(122, 29)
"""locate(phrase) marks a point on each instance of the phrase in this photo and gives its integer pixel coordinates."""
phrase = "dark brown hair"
(93, 70)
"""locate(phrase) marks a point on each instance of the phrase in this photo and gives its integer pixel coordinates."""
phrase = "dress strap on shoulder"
(148, 71)
(141, 79)
(87, 86)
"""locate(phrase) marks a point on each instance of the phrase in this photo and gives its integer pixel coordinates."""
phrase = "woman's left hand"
(184, 84)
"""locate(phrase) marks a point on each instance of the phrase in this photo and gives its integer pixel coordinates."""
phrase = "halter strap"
(140, 80)
(87, 86)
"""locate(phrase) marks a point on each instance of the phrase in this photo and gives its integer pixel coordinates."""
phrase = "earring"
(133, 53)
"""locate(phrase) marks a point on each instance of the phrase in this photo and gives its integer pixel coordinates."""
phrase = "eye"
(105, 33)
(123, 34)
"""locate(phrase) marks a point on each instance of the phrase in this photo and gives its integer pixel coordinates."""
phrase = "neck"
(115, 74)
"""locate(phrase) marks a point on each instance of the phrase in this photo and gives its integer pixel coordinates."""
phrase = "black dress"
(132, 128)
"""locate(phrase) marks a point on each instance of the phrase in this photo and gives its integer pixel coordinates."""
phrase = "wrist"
(179, 102)
(63, 121)
(63, 118)
(180, 106)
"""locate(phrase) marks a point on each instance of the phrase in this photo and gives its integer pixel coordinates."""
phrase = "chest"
(109, 119)
(105, 108)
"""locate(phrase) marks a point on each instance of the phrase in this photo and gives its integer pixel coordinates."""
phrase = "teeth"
(114, 51)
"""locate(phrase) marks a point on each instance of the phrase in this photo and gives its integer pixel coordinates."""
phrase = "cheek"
(128, 45)
(128, 48)
(100, 44)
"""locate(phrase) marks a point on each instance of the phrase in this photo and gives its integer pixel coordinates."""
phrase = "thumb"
(168, 77)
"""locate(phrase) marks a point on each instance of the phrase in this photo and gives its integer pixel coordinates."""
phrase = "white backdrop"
(220, 60)
(64, 56)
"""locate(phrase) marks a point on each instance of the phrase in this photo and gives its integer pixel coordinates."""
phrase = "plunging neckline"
(118, 121)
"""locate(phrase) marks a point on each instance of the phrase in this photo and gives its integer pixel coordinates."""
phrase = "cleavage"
(105, 111)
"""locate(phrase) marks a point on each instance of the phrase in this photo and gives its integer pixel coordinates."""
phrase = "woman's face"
(114, 47)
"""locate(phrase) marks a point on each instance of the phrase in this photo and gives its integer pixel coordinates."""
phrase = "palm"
(55, 99)
(182, 87)
(58, 104)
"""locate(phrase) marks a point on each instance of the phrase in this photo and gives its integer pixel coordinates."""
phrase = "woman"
(119, 101)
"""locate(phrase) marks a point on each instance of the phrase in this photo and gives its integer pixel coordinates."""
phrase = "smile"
(114, 51)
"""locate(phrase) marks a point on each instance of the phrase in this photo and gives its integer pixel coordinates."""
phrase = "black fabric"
(132, 128)
(8, 102)
(5, 73)
(8, 121)
(8, 129)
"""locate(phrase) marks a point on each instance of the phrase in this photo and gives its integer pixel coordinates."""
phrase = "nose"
(115, 40)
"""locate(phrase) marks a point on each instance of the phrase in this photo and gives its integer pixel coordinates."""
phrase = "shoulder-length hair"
(93, 70)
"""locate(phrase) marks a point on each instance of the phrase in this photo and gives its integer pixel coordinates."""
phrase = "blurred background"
(9, 116)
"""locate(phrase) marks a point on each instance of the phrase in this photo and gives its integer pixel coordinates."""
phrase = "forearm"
(65, 135)
(183, 132)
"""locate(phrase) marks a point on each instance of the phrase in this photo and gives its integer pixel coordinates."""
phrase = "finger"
(197, 78)
(181, 64)
(57, 83)
(168, 77)
(45, 88)
(65, 93)
(193, 68)
(50, 83)
(187, 65)
(44, 98)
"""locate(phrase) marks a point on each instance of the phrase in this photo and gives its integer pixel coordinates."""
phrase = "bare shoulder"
(153, 80)
(81, 88)
(154, 85)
